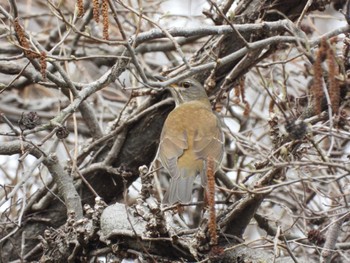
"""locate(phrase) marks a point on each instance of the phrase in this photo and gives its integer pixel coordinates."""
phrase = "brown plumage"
(190, 135)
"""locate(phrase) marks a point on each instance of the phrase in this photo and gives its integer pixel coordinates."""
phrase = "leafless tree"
(83, 102)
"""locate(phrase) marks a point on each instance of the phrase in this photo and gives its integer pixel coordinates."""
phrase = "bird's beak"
(172, 88)
(175, 92)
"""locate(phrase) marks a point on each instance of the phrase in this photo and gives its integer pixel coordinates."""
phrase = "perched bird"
(191, 133)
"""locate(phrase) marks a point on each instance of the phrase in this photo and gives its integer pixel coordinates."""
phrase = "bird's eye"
(186, 84)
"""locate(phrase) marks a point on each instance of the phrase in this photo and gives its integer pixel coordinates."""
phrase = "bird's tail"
(180, 190)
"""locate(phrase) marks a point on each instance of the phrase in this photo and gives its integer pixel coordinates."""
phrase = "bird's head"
(188, 90)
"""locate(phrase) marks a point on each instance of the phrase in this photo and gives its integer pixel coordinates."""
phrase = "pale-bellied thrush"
(191, 134)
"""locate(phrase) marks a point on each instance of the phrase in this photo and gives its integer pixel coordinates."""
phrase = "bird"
(190, 135)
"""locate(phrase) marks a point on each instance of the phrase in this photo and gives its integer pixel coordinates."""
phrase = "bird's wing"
(209, 144)
(171, 147)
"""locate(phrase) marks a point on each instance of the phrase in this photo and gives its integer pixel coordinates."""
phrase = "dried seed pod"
(105, 20)
(29, 121)
(296, 129)
(96, 10)
(80, 5)
(62, 132)
(316, 237)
